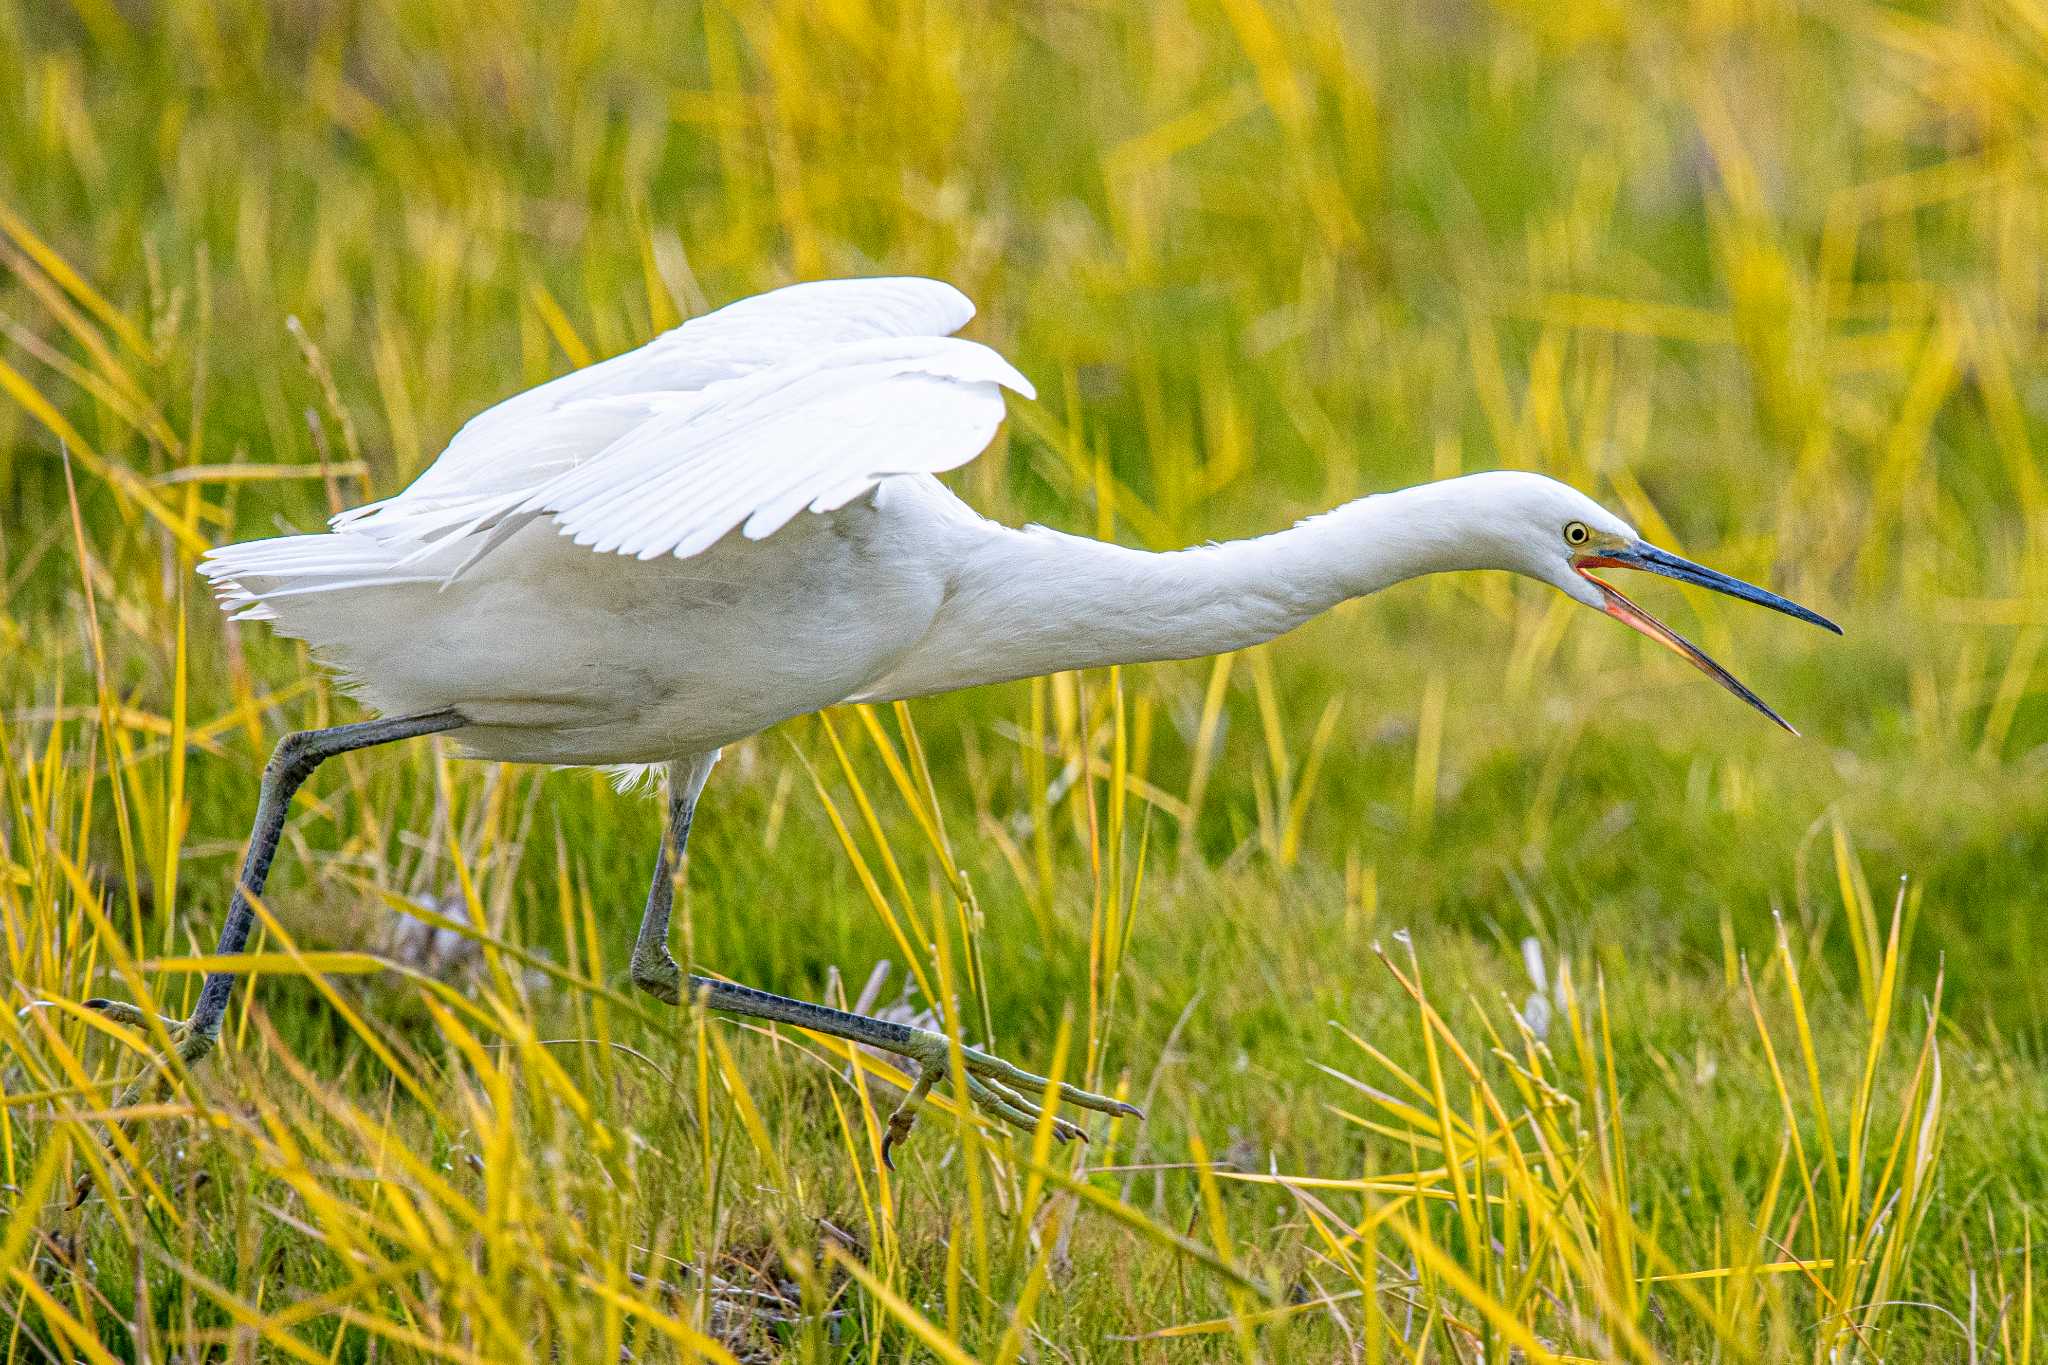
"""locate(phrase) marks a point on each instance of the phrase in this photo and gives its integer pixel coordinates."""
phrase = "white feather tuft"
(637, 779)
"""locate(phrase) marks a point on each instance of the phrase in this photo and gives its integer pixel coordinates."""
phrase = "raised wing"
(508, 452)
(755, 452)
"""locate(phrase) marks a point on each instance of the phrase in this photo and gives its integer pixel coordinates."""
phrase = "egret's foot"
(190, 1044)
(997, 1088)
(994, 1086)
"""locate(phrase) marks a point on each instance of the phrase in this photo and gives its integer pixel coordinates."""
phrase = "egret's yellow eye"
(1575, 533)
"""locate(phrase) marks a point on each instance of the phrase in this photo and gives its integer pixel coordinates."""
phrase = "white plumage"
(800, 400)
(737, 523)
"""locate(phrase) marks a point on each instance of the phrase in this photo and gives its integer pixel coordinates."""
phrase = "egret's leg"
(654, 971)
(296, 757)
(1005, 1091)
(1008, 1092)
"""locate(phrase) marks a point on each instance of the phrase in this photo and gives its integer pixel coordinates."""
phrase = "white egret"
(737, 523)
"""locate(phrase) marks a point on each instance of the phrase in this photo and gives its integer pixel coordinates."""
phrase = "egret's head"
(1553, 532)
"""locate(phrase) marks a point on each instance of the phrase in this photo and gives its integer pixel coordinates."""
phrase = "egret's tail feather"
(352, 597)
(254, 580)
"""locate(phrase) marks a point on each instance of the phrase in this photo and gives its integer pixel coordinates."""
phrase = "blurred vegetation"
(1769, 279)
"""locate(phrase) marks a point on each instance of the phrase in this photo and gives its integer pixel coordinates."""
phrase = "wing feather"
(756, 452)
(802, 398)
(524, 440)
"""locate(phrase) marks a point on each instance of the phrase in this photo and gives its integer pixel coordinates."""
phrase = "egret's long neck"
(1037, 601)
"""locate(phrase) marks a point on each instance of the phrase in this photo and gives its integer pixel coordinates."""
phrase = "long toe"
(997, 1088)
(156, 1080)
(121, 1012)
(999, 1101)
(993, 1068)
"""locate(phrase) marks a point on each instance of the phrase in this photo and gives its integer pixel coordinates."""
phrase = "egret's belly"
(558, 654)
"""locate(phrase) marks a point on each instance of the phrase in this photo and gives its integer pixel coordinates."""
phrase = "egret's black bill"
(1653, 560)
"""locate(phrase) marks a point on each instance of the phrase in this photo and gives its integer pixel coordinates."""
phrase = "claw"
(905, 1117)
(900, 1124)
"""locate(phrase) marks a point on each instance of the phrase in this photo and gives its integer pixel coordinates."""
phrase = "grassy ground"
(1769, 279)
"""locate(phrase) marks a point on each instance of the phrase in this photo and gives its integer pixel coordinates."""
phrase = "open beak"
(1653, 560)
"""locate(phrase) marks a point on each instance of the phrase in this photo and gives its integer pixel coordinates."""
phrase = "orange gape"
(1629, 614)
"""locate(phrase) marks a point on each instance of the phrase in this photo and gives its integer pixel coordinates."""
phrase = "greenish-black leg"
(998, 1088)
(293, 761)
(654, 970)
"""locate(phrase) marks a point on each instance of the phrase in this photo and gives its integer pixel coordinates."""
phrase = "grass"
(1768, 279)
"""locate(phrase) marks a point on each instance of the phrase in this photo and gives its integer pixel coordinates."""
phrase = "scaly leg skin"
(296, 757)
(999, 1089)
(654, 971)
